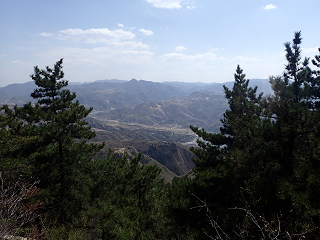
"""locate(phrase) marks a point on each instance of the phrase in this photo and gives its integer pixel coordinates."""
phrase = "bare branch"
(15, 213)
(220, 233)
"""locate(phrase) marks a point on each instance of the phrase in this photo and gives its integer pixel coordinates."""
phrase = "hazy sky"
(155, 40)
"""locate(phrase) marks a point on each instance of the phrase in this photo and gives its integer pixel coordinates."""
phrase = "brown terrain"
(134, 117)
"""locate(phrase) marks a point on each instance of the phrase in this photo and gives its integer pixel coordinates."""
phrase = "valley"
(144, 117)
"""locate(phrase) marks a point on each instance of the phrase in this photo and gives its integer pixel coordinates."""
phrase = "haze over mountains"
(142, 116)
(110, 94)
(200, 108)
(167, 104)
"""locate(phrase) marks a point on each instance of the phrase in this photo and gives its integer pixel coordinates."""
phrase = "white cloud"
(170, 4)
(191, 7)
(100, 56)
(180, 48)
(174, 72)
(120, 25)
(310, 51)
(202, 65)
(146, 32)
(96, 40)
(207, 55)
(119, 40)
(45, 34)
(62, 37)
(73, 31)
(245, 59)
(270, 6)
(129, 45)
(56, 36)
(180, 56)
(16, 61)
(3, 54)
(177, 56)
(118, 44)
(119, 33)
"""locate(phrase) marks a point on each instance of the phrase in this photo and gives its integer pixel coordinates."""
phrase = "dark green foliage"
(186, 220)
(265, 161)
(225, 161)
(296, 106)
(60, 154)
(82, 197)
(10, 147)
(268, 146)
(316, 62)
(127, 199)
(16, 145)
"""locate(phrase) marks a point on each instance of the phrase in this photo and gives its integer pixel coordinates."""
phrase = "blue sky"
(155, 40)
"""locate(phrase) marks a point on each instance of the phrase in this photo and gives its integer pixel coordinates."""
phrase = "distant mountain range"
(105, 95)
(142, 116)
(101, 95)
(202, 108)
(262, 84)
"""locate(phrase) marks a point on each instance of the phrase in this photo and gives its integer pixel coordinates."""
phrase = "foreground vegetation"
(258, 178)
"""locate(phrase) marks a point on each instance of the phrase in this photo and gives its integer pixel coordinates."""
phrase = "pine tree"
(10, 154)
(269, 146)
(240, 124)
(229, 161)
(61, 154)
(16, 145)
(295, 105)
(127, 199)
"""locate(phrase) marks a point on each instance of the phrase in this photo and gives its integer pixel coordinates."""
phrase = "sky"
(153, 40)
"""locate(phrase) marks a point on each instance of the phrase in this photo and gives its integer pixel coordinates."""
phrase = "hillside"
(116, 131)
(203, 109)
(101, 95)
(172, 156)
(141, 116)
